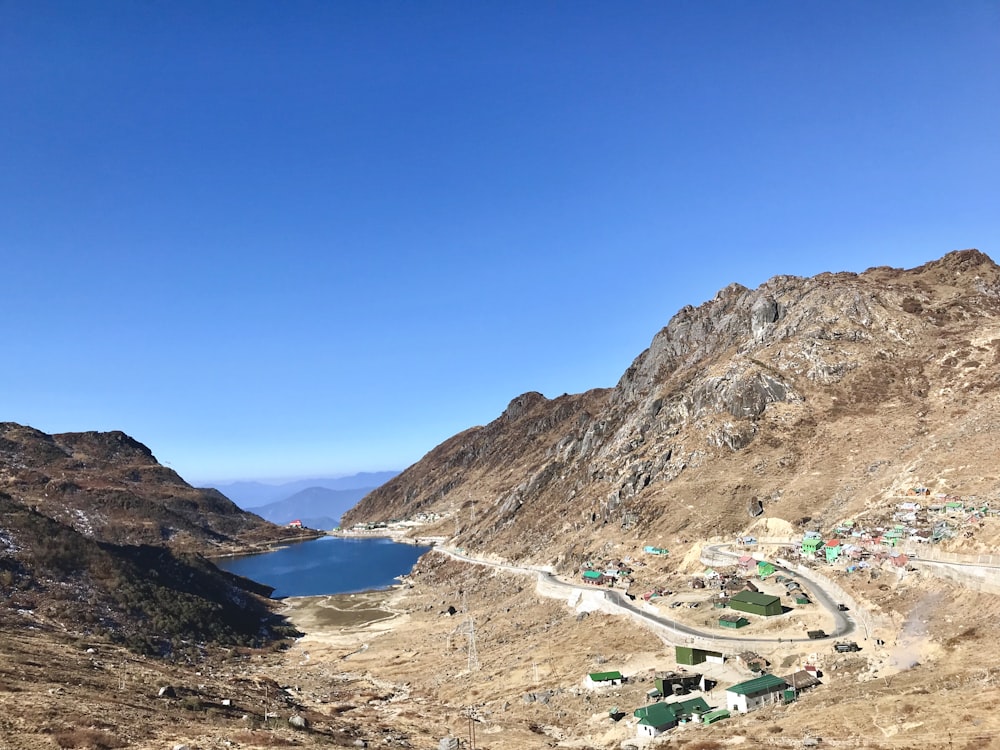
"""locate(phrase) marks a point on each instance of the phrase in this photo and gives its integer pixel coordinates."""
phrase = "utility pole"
(473, 654)
(472, 729)
(265, 705)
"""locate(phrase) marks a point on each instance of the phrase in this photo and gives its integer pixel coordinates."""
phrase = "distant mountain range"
(317, 503)
(315, 507)
(255, 494)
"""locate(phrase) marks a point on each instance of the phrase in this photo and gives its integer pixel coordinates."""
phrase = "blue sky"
(273, 240)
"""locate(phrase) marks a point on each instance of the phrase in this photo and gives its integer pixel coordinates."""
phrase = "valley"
(798, 481)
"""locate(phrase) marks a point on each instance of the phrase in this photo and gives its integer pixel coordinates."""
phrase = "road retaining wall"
(982, 579)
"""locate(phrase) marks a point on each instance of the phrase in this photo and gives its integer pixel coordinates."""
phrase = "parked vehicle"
(844, 647)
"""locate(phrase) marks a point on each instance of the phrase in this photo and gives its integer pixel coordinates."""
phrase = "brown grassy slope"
(110, 487)
(815, 395)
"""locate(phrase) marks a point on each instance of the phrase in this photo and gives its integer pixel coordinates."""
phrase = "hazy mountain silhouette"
(256, 494)
(316, 507)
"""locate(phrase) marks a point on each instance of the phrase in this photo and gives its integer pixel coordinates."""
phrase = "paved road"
(844, 625)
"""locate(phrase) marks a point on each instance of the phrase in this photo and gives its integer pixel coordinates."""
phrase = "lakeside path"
(616, 602)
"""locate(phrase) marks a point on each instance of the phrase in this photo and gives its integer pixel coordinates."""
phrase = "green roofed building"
(764, 569)
(713, 716)
(655, 719)
(690, 656)
(604, 679)
(733, 621)
(755, 603)
(760, 691)
(686, 709)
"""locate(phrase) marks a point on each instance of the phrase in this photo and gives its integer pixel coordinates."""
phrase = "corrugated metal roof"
(751, 597)
(690, 706)
(605, 676)
(656, 714)
(764, 683)
(719, 713)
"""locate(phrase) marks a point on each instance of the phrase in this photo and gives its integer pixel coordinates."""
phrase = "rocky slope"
(97, 539)
(810, 397)
(111, 488)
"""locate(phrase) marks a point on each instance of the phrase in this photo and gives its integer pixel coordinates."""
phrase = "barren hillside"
(110, 487)
(816, 397)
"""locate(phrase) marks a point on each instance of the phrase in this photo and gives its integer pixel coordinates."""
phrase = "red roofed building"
(832, 550)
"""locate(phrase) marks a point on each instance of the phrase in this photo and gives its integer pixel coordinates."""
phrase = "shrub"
(87, 739)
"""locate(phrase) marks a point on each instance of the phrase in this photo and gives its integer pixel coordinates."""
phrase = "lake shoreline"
(342, 619)
(396, 535)
(329, 565)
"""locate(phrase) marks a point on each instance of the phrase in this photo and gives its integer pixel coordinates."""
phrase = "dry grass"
(88, 739)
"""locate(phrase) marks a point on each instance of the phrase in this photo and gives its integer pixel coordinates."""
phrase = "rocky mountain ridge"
(98, 539)
(809, 397)
(110, 487)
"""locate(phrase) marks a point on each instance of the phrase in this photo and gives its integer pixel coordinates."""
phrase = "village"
(686, 696)
(693, 690)
(749, 595)
(752, 594)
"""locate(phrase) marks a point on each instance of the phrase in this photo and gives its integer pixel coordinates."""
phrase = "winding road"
(844, 624)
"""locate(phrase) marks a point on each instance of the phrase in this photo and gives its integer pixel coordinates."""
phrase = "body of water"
(329, 565)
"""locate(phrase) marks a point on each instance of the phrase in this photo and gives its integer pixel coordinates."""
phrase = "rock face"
(803, 397)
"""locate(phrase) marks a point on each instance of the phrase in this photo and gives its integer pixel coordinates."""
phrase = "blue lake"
(329, 565)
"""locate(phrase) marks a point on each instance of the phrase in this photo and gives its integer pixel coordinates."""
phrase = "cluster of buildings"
(661, 715)
(396, 524)
(919, 518)
(739, 593)
(608, 573)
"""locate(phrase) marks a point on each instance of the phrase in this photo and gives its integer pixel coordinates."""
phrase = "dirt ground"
(930, 688)
(396, 669)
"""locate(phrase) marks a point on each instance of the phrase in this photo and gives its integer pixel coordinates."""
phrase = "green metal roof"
(732, 621)
(690, 706)
(764, 683)
(656, 714)
(592, 574)
(719, 713)
(605, 676)
(752, 598)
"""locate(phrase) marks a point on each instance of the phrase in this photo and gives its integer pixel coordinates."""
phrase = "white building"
(752, 694)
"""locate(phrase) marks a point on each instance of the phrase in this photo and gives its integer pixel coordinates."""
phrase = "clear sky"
(280, 239)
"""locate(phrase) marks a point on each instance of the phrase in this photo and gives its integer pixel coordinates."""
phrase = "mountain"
(98, 539)
(146, 597)
(256, 494)
(316, 507)
(110, 487)
(809, 398)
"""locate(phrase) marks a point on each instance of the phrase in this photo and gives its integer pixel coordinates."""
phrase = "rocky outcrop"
(733, 399)
(109, 486)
